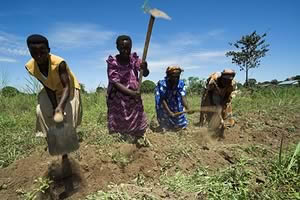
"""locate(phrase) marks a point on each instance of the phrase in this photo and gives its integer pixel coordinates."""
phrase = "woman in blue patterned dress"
(170, 98)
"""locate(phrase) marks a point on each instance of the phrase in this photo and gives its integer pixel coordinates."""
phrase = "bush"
(9, 91)
(274, 82)
(100, 89)
(148, 86)
(251, 82)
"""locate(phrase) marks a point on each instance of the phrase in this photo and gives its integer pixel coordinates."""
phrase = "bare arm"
(166, 107)
(125, 90)
(64, 78)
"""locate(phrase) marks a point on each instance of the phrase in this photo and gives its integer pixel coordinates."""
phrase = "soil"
(95, 168)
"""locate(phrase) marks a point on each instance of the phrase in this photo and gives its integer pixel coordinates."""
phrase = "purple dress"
(125, 113)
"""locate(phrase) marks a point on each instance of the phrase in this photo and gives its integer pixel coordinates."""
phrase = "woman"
(170, 98)
(218, 93)
(125, 107)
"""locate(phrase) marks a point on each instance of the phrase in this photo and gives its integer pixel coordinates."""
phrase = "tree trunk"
(247, 83)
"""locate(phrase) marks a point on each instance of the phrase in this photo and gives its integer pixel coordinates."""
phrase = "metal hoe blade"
(62, 139)
(159, 14)
(154, 11)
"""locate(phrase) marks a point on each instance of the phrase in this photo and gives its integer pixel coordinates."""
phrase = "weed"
(41, 185)
(120, 159)
(100, 195)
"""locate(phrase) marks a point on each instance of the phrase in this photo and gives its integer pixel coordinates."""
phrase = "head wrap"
(228, 74)
(173, 69)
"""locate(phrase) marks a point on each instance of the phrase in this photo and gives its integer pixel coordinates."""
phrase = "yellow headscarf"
(173, 69)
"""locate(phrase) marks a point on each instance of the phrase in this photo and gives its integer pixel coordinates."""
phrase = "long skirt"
(44, 112)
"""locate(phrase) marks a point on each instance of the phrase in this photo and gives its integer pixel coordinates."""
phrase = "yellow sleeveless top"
(53, 81)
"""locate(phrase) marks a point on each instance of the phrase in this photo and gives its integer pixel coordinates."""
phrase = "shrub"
(148, 86)
(251, 82)
(9, 91)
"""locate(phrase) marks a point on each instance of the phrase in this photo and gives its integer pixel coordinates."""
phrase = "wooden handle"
(58, 117)
(185, 111)
(203, 109)
(147, 41)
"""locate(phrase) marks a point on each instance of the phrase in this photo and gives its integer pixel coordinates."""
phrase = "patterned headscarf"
(173, 69)
(228, 74)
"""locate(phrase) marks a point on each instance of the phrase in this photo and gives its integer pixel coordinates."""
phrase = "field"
(257, 159)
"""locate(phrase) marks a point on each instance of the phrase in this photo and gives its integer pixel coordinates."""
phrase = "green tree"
(148, 86)
(274, 82)
(251, 82)
(251, 49)
(194, 85)
(9, 91)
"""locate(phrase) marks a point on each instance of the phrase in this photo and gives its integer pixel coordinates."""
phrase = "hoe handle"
(147, 41)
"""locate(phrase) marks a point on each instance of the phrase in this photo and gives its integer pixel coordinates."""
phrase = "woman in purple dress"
(125, 107)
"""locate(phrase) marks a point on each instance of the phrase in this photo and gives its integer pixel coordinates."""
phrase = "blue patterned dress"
(174, 102)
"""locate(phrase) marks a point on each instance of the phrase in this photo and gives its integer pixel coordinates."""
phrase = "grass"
(279, 106)
(268, 100)
(17, 124)
(17, 117)
(100, 195)
(238, 181)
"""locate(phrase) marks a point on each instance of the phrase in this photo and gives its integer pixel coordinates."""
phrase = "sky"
(196, 38)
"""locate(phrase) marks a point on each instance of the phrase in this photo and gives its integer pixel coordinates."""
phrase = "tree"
(194, 85)
(9, 91)
(252, 48)
(274, 82)
(251, 82)
(148, 86)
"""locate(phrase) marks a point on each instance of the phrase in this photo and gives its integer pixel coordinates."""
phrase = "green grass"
(279, 105)
(268, 100)
(238, 181)
(17, 125)
(17, 117)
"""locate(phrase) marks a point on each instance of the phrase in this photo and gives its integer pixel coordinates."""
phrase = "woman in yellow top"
(61, 92)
